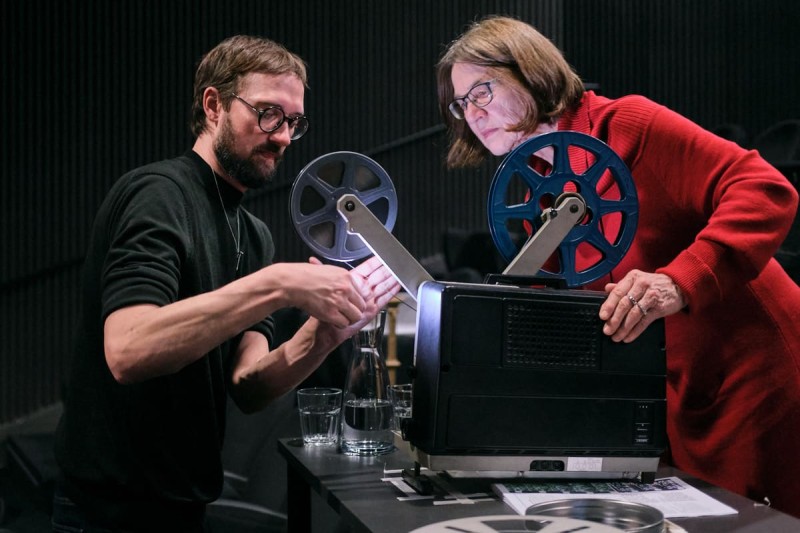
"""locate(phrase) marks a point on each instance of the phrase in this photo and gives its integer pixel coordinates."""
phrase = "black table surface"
(353, 487)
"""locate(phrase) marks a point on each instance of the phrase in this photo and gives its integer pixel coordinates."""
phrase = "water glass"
(401, 398)
(319, 408)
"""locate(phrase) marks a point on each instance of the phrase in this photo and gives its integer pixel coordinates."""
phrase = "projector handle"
(361, 222)
(558, 222)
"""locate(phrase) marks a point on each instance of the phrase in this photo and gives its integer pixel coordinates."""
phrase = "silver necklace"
(239, 251)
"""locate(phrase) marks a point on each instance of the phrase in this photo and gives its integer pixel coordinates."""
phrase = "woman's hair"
(524, 61)
(234, 58)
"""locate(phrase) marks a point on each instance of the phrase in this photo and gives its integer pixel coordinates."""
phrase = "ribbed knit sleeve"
(711, 214)
(737, 207)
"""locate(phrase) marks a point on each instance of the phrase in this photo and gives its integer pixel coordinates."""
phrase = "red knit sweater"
(711, 216)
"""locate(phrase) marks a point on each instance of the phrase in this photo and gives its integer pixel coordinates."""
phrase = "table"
(352, 487)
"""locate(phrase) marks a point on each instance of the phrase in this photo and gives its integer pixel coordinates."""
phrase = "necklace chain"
(237, 236)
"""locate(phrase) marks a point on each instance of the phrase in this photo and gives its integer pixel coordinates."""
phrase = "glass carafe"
(366, 408)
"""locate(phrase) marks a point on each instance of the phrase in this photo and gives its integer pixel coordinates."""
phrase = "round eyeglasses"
(480, 95)
(272, 117)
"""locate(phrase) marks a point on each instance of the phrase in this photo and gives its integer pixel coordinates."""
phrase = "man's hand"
(340, 302)
(377, 286)
(329, 293)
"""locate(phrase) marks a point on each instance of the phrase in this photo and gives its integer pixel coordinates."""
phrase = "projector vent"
(552, 335)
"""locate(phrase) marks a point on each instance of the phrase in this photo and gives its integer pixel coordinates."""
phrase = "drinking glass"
(319, 409)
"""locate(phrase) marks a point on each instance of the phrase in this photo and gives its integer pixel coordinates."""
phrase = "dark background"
(91, 89)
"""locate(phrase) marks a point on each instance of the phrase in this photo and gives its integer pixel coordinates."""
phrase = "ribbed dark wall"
(714, 61)
(91, 89)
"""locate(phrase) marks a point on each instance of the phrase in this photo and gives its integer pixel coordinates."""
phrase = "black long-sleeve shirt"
(130, 453)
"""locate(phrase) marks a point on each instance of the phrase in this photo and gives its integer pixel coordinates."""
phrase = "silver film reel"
(314, 196)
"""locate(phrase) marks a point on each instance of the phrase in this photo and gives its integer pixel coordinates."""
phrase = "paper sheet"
(671, 495)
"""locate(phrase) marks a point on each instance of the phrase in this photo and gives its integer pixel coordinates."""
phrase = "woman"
(711, 216)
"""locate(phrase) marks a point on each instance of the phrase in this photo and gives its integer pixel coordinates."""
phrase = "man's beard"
(243, 170)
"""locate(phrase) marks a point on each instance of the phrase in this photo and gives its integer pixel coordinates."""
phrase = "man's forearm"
(261, 375)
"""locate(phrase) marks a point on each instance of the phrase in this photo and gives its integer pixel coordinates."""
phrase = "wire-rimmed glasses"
(272, 117)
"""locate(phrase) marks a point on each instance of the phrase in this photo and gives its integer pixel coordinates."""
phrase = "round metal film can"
(627, 516)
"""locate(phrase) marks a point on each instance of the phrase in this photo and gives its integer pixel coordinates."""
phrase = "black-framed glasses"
(272, 117)
(480, 95)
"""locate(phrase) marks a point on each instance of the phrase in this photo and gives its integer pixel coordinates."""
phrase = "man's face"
(243, 150)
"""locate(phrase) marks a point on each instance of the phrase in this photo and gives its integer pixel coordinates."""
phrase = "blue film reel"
(319, 186)
(587, 253)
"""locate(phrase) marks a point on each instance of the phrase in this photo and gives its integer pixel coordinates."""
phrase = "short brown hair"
(233, 58)
(516, 53)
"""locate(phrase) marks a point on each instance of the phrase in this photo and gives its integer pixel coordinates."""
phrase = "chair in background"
(26, 484)
(779, 143)
(253, 500)
(732, 132)
(254, 494)
(255, 497)
(470, 255)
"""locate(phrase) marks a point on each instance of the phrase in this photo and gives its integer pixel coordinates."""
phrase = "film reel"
(513, 523)
(520, 194)
(314, 195)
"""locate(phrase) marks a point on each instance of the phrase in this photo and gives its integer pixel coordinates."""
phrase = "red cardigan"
(711, 216)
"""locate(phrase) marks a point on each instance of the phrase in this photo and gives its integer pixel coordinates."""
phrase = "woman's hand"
(377, 286)
(636, 301)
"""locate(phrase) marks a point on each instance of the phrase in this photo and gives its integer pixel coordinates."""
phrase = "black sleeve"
(148, 244)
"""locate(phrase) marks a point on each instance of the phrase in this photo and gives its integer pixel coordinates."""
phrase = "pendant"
(239, 255)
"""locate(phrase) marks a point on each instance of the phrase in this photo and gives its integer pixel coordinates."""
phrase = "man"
(177, 291)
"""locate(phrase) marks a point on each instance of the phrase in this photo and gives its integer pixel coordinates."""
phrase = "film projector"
(513, 377)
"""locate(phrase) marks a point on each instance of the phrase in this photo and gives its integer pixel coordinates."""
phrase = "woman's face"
(489, 123)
